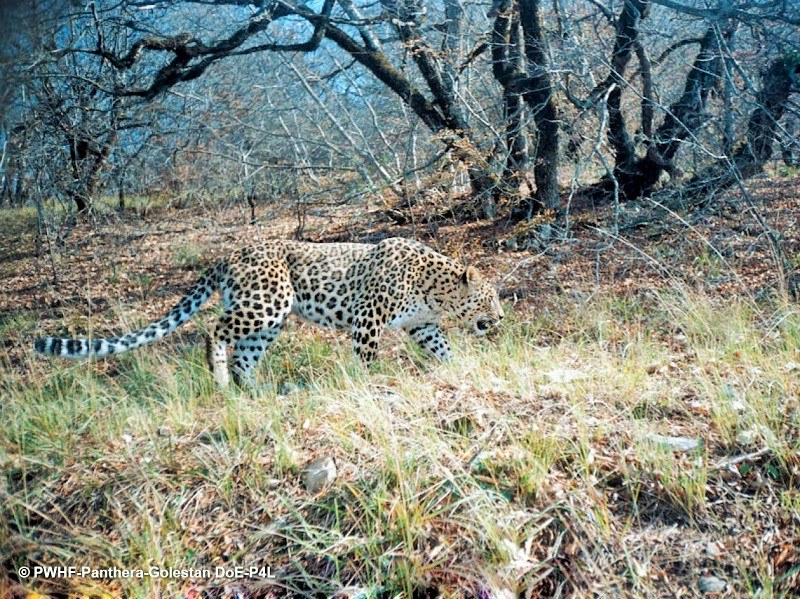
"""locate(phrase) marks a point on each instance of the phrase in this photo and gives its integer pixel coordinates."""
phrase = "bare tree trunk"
(633, 11)
(541, 100)
(121, 193)
(776, 85)
(88, 159)
(445, 112)
(507, 61)
(790, 146)
(77, 153)
(687, 114)
(636, 176)
(778, 81)
(533, 85)
(516, 140)
(728, 116)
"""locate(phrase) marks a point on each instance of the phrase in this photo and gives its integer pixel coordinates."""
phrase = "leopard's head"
(480, 306)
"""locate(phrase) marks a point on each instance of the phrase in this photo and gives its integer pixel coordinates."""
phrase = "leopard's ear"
(470, 276)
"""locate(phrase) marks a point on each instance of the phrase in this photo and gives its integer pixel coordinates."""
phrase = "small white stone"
(289, 388)
(747, 437)
(715, 548)
(564, 375)
(737, 405)
(319, 474)
(674, 443)
(353, 593)
(711, 584)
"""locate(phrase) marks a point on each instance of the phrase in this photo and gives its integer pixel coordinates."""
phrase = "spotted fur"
(364, 288)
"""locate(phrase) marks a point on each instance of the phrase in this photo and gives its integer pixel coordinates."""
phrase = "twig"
(721, 465)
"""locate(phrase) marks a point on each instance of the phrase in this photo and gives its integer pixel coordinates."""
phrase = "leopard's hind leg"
(217, 352)
(249, 338)
(247, 351)
(250, 325)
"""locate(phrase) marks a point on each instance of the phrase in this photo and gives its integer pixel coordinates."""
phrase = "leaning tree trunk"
(776, 85)
(627, 35)
(533, 85)
(778, 81)
(637, 176)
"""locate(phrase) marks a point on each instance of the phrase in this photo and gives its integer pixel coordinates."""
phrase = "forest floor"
(633, 430)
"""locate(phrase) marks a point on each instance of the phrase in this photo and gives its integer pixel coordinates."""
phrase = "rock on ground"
(319, 474)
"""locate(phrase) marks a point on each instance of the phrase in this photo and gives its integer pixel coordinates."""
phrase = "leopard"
(364, 288)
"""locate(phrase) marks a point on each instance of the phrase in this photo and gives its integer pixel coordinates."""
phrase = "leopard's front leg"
(368, 324)
(431, 338)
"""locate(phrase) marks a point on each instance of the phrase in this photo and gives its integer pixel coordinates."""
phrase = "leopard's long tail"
(183, 311)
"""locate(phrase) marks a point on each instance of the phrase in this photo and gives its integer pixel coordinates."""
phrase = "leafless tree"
(344, 99)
